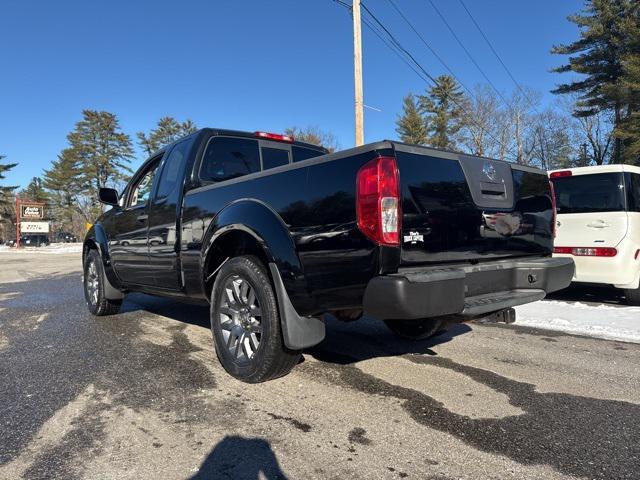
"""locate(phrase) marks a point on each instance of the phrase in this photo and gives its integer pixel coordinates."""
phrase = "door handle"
(598, 224)
(142, 218)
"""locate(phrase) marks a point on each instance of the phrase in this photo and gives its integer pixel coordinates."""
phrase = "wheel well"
(229, 245)
(88, 245)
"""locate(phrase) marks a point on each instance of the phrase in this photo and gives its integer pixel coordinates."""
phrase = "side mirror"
(108, 196)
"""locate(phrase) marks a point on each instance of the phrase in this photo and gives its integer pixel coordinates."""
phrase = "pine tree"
(606, 42)
(35, 191)
(5, 191)
(443, 106)
(103, 150)
(63, 181)
(411, 126)
(167, 131)
(629, 128)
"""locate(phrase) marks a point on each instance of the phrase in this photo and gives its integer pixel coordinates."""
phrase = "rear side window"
(274, 157)
(228, 157)
(634, 191)
(600, 192)
(172, 170)
(301, 153)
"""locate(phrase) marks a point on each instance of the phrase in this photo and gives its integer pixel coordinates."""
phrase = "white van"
(598, 224)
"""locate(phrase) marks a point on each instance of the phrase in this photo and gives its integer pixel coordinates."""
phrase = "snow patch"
(600, 321)
(51, 248)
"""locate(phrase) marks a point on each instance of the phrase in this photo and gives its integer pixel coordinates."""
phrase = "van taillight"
(378, 201)
(587, 251)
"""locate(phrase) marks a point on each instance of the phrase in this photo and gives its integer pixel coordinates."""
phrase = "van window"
(302, 153)
(600, 192)
(634, 191)
(274, 157)
(229, 157)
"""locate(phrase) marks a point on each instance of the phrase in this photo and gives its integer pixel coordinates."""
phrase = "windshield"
(601, 192)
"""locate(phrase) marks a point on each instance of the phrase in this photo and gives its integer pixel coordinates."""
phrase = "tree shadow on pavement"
(240, 458)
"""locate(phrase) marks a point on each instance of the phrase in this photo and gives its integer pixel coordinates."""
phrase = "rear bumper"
(466, 291)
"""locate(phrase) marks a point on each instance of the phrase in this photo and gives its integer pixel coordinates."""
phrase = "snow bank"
(54, 248)
(601, 321)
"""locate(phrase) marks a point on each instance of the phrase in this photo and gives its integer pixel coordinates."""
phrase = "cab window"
(141, 191)
(171, 176)
(229, 157)
(274, 157)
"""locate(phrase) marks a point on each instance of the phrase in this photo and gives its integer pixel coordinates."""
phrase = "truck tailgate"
(462, 208)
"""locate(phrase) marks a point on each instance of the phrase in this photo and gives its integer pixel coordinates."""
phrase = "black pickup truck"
(275, 233)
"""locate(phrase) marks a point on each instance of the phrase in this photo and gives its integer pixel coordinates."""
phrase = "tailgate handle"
(493, 189)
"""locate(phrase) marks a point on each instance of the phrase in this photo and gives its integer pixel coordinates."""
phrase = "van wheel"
(419, 329)
(633, 296)
(246, 325)
(94, 287)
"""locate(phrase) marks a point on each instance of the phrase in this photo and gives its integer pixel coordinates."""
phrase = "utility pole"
(357, 72)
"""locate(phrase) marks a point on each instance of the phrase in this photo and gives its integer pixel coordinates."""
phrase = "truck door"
(164, 218)
(128, 248)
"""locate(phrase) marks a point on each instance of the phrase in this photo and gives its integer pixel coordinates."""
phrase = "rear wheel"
(246, 325)
(94, 287)
(419, 329)
(633, 296)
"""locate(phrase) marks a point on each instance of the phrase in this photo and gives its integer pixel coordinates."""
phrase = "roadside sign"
(34, 227)
(35, 212)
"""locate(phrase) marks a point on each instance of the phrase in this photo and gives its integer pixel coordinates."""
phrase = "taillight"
(554, 209)
(378, 201)
(274, 136)
(561, 173)
(587, 251)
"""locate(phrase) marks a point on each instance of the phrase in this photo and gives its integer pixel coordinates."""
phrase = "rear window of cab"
(231, 157)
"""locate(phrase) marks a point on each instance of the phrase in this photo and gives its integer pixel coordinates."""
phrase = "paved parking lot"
(141, 395)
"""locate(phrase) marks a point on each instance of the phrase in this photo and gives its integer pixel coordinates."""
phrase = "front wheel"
(419, 329)
(246, 325)
(94, 287)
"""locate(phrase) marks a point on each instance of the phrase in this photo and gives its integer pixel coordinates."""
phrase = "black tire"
(633, 296)
(236, 328)
(94, 278)
(419, 329)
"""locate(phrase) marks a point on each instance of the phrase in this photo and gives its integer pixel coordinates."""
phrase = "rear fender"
(272, 234)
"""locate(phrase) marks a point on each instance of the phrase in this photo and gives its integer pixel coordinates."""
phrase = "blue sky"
(243, 64)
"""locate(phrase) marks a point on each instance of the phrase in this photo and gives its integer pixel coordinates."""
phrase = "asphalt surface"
(141, 395)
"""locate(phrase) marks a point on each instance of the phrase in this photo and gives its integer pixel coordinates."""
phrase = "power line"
(394, 44)
(486, 39)
(431, 78)
(426, 44)
(444, 20)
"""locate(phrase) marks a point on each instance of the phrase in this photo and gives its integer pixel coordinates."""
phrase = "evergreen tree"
(5, 191)
(102, 149)
(629, 128)
(167, 131)
(411, 126)
(35, 191)
(63, 181)
(606, 43)
(443, 106)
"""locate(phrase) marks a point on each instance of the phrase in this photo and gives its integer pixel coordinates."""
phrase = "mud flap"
(298, 332)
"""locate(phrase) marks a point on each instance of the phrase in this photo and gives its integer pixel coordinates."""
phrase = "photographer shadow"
(241, 458)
